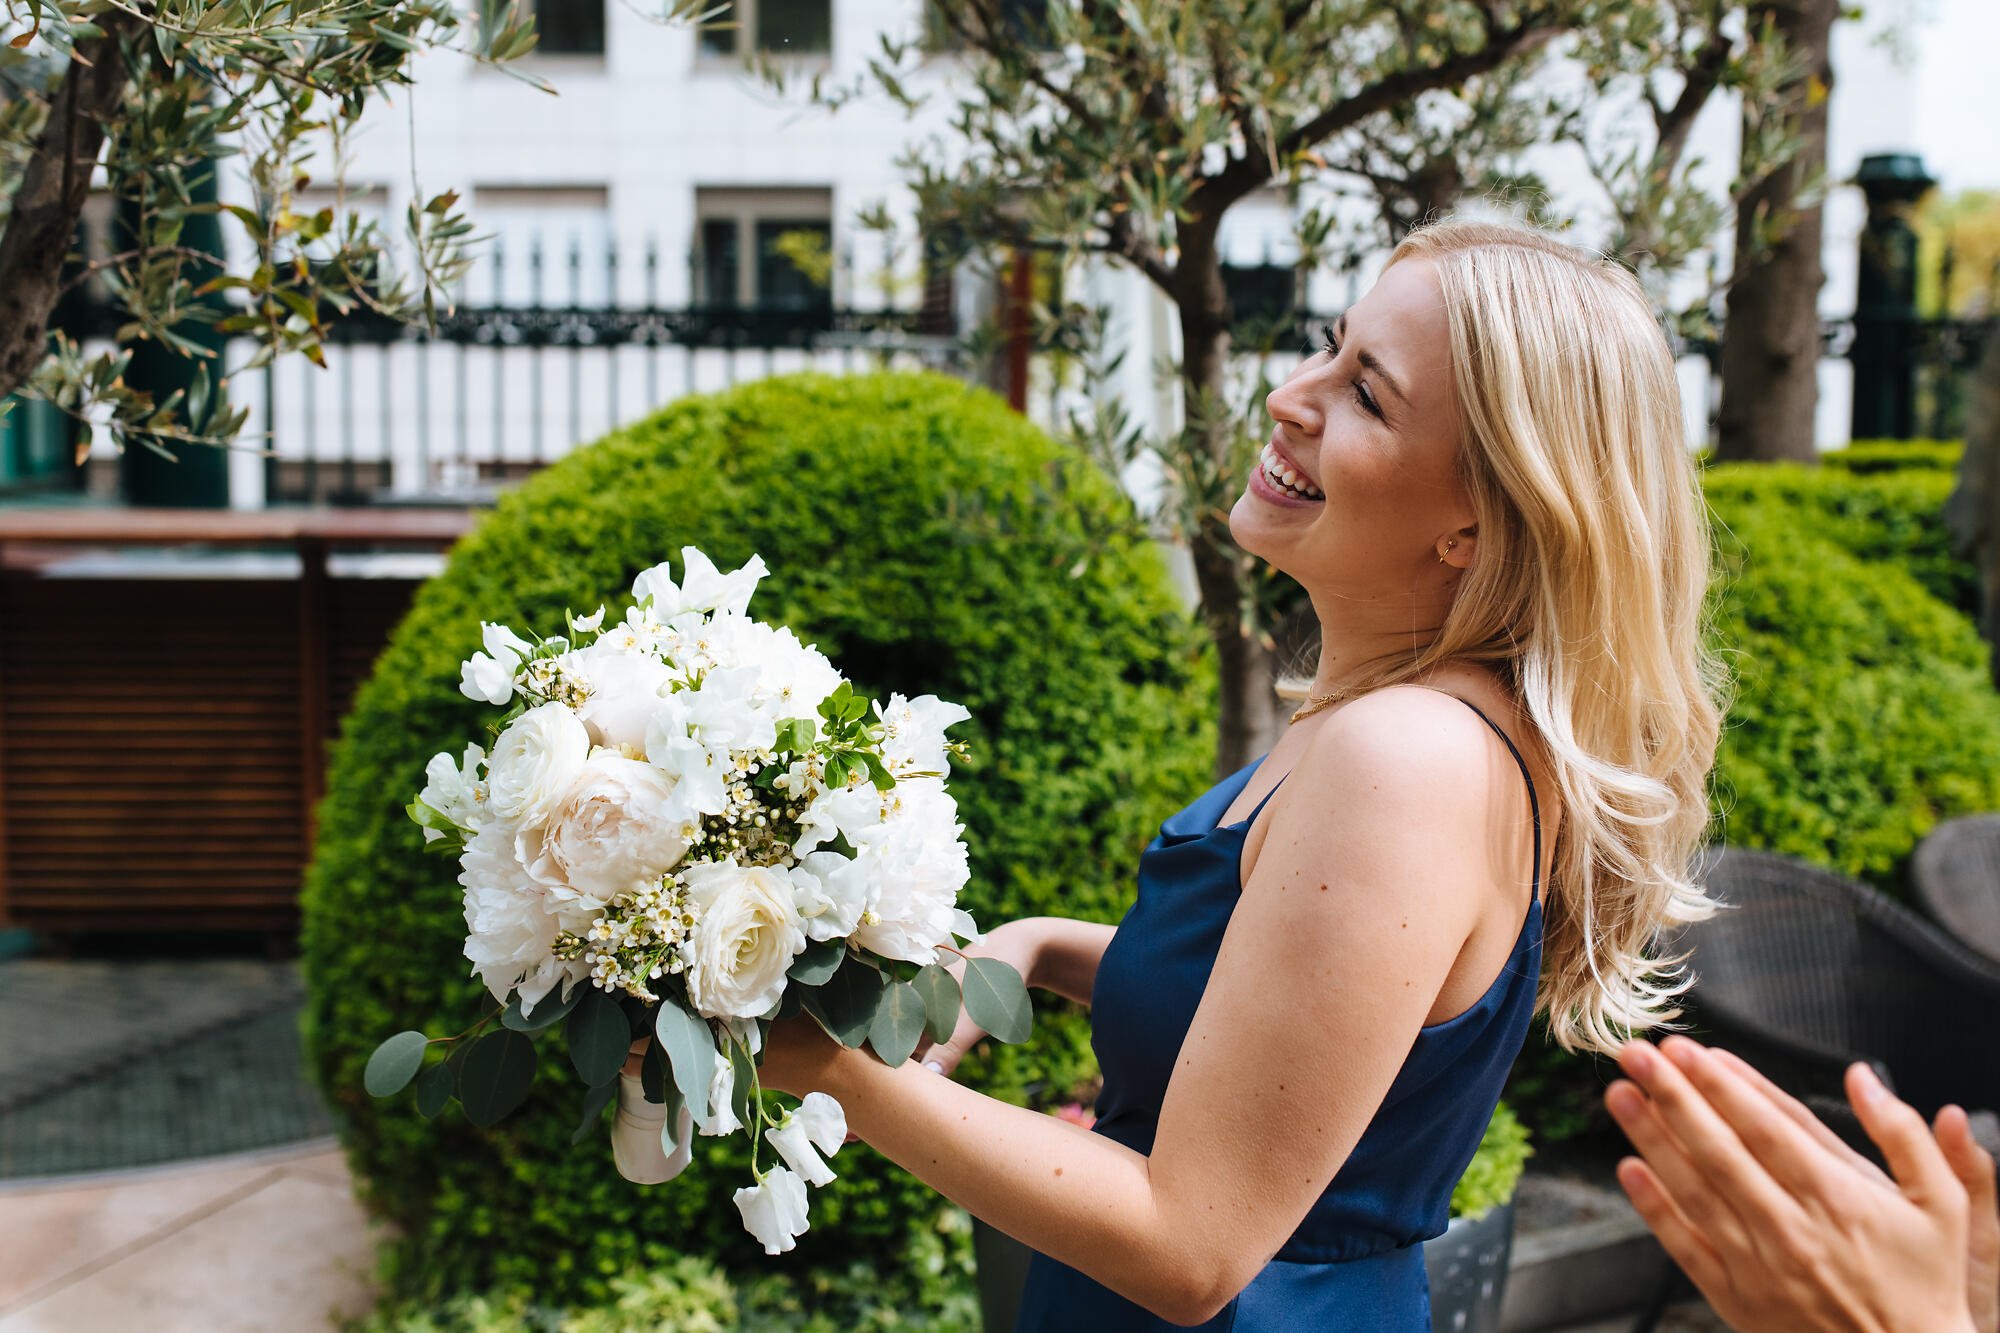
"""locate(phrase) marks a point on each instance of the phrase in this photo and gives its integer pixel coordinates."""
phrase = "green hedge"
(1864, 715)
(930, 541)
(1867, 456)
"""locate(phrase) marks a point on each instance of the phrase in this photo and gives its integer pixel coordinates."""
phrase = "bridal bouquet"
(690, 826)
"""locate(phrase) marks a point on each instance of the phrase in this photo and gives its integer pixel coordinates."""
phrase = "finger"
(1800, 1113)
(1728, 1168)
(1972, 1164)
(1793, 1157)
(1905, 1140)
(1662, 1215)
(1670, 1165)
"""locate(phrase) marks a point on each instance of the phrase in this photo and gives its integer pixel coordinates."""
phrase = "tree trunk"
(1770, 334)
(49, 200)
(1972, 511)
(1248, 720)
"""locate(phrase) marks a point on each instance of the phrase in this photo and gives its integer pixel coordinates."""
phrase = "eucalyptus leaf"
(495, 1076)
(845, 1005)
(817, 962)
(434, 1088)
(899, 1021)
(940, 993)
(548, 1012)
(394, 1063)
(690, 1050)
(594, 1102)
(653, 1073)
(997, 999)
(599, 1037)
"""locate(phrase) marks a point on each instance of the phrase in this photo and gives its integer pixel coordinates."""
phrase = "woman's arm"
(1370, 879)
(1067, 955)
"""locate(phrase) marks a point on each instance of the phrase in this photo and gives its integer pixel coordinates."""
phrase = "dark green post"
(1885, 299)
(199, 479)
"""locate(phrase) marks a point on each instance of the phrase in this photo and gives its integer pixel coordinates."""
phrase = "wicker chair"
(1808, 971)
(1957, 875)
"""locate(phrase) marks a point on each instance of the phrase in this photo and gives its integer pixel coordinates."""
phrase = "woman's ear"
(1457, 550)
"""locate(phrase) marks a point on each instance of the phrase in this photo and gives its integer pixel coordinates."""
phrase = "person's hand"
(1777, 1228)
(1012, 942)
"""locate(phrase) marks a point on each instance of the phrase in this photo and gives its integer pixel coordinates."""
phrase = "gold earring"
(1447, 546)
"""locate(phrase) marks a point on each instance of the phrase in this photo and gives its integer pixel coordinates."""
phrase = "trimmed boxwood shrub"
(1868, 456)
(929, 540)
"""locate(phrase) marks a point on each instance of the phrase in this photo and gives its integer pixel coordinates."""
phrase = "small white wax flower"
(774, 1211)
(793, 1144)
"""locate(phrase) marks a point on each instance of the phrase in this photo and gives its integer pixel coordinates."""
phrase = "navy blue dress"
(1356, 1261)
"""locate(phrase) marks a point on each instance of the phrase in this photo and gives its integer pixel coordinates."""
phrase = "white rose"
(534, 762)
(746, 933)
(617, 823)
(625, 690)
(775, 1210)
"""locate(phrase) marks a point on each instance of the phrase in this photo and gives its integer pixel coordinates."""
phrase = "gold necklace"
(1318, 701)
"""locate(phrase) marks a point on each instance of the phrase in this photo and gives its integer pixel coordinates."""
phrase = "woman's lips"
(1270, 492)
(1285, 480)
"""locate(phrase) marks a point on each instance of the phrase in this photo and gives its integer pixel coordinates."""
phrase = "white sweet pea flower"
(587, 624)
(618, 822)
(913, 733)
(721, 1117)
(534, 762)
(774, 1210)
(673, 744)
(703, 586)
(854, 812)
(489, 676)
(746, 933)
(825, 1121)
(795, 1146)
(455, 791)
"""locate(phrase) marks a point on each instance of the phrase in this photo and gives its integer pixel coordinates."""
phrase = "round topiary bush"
(930, 541)
(1864, 714)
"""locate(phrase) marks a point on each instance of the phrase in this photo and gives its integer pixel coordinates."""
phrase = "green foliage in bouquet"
(927, 539)
(1863, 716)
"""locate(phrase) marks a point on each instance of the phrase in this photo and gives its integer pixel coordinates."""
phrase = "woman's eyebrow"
(1369, 360)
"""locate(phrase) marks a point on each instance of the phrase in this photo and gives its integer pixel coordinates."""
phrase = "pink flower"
(1075, 1114)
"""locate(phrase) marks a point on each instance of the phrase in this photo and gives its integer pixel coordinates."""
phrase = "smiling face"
(1367, 432)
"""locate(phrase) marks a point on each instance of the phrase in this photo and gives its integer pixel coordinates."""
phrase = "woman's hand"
(1779, 1225)
(1014, 942)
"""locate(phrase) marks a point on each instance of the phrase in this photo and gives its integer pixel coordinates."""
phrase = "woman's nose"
(1289, 405)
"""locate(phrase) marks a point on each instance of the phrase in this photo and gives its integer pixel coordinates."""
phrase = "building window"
(778, 27)
(764, 250)
(1263, 297)
(568, 27)
(1024, 22)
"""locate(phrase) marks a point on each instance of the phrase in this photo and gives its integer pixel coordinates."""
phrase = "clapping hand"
(1783, 1226)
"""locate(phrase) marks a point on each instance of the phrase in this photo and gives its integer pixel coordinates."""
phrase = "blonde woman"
(1488, 803)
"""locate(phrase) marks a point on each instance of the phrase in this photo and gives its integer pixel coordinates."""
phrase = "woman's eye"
(1331, 346)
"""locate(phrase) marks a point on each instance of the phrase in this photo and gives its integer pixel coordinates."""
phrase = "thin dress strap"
(1534, 804)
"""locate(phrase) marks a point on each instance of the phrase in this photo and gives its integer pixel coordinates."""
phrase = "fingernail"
(1871, 1086)
(934, 1066)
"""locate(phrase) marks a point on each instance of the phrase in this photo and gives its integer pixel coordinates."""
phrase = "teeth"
(1283, 475)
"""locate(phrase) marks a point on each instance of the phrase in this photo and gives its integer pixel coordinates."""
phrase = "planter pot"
(1467, 1267)
(1468, 1271)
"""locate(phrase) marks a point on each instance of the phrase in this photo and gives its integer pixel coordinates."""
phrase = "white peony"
(746, 933)
(534, 762)
(510, 932)
(774, 1210)
(455, 791)
(618, 823)
(489, 676)
(624, 691)
(918, 866)
(792, 679)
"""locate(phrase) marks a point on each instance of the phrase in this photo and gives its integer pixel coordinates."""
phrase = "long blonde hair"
(1589, 595)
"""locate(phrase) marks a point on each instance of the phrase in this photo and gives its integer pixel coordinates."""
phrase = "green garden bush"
(926, 538)
(1863, 715)
(1867, 456)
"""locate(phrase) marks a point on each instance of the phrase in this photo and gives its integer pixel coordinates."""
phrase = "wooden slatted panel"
(151, 770)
